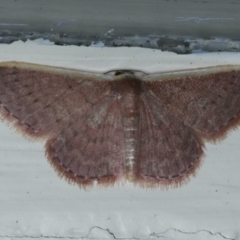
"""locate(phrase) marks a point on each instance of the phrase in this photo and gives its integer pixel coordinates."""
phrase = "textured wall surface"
(36, 203)
(91, 19)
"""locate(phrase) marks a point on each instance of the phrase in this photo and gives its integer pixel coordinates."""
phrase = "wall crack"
(113, 236)
(191, 233)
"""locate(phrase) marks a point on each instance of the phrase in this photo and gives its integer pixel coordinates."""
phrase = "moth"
(122, 125)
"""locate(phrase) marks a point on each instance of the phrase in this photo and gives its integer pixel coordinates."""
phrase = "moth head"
(125, 74)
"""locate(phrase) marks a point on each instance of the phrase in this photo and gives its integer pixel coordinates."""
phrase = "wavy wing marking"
(169, 151)
(39, 102)
(90, 148)
(73, 113)
(209, 103)
(176, 116)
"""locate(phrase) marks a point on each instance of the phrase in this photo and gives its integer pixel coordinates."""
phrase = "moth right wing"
(207, 100)
(169, 152)
(178, 113)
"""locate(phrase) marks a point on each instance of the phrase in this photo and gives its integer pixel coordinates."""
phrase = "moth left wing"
(75, 113)
(38, 100)
(90, 148)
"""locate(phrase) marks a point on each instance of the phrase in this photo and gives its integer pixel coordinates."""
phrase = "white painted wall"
(35, 202)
